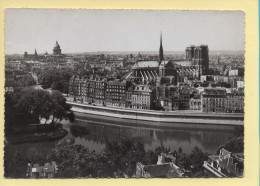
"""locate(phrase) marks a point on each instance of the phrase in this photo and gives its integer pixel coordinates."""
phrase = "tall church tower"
(161, 50)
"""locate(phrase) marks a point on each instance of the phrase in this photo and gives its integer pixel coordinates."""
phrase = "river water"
(94, 132)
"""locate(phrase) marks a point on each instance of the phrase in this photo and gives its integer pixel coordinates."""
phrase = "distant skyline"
(120, 30)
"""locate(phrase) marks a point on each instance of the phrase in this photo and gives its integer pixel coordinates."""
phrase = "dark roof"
(168, 170)
(48, 167)
(157, 170)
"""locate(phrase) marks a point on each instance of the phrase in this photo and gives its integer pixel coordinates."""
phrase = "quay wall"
(188, 117)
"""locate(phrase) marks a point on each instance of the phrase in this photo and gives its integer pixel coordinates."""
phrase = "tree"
(197, 157)
(57, 79)
(65, 86)
(72, 160)
(78, 161)
(235, 145)
(15, 166)
(36, 102)
(182, 159)
(43, 104)
(10, 112)
(60, 109)
(57, 86)
(151, 157)
(123, 156)
(14, 117)
(239, 131)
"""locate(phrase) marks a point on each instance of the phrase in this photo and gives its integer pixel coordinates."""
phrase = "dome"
(56, 49)
(56, 45)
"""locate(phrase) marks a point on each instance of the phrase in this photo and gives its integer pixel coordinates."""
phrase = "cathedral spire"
(161, 50)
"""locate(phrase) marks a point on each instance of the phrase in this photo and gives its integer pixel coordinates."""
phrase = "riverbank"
(161, 117)
(37, 137)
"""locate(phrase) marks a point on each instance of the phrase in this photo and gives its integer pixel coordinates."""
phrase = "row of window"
(114, 97)
(140, 103)
(141, 97)
(195, 103)
(115, 90)
(116, 87)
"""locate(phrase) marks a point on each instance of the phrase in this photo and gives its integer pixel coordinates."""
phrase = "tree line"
(57, 79)
(31, 105)
(118, 159)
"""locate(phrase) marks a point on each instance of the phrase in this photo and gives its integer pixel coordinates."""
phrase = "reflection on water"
(95, 132)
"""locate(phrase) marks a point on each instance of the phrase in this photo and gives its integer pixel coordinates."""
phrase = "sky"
(85, 30)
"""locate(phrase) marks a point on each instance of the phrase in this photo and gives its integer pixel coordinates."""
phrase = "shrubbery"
(118, 159)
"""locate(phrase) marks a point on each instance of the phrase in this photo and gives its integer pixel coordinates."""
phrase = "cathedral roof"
(146, 64)
(163, 63)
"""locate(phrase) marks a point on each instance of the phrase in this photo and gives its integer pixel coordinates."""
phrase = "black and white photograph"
(109, 93)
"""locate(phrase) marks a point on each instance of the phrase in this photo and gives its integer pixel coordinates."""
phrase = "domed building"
(56, 49)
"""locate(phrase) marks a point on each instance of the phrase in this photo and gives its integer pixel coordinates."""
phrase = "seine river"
(94, 132)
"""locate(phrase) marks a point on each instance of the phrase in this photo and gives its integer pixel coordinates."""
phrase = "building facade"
(199, 55)
(116, 93)
(235, 102)
(213, 100)
(163, 168)
(100, 91)
(195, 104)
(226, 164)
(143, 97)
(48, 170)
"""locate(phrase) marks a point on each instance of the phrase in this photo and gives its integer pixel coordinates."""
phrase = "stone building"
(235, 102)
(56, 49)
(213, 100)
(48, 170)
(31, 56)
(163, 169)
(99, 97)
(226, 164)
(84, 87)
(74, 89)
(145, 71)
(195, 104)
(169, 97)
(169, 68)
(199, 56)
(116, 93)
(184, 98)
(129, 91)
(195, 64)
(143, 97)
(90, 90)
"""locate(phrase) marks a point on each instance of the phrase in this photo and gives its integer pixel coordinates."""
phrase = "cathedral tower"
(161, 50)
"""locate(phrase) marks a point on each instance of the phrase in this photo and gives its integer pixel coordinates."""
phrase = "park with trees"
(25, 112)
